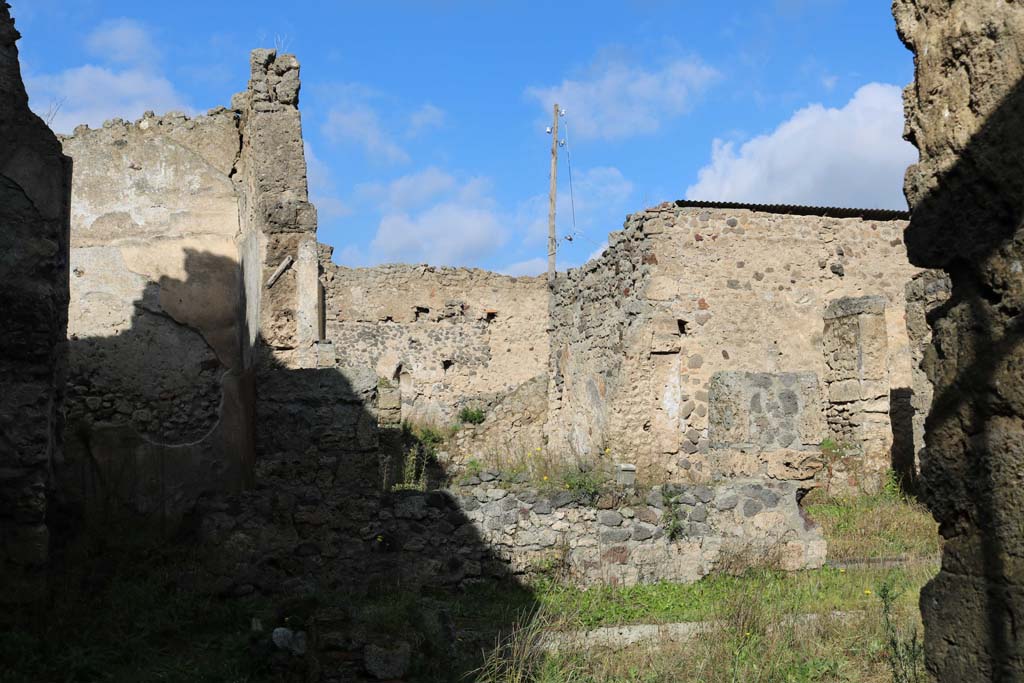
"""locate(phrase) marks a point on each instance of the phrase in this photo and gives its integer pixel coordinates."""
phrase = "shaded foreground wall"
(155, 411)
(35, 196)
(965, 113)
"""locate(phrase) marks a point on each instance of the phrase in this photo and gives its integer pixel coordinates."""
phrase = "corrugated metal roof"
(793, 210)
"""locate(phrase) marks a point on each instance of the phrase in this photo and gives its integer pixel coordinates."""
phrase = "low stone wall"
(673, 533)
(494, 525)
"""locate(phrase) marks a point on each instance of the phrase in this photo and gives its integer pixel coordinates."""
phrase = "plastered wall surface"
(685, 292)
(155, 391)
(447, 337)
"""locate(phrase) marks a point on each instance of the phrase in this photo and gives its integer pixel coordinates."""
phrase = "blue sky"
(424, 121)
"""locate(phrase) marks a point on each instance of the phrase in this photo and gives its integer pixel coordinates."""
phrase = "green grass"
(807, 592)
(756, 634)
(135, 615)
(885, 525)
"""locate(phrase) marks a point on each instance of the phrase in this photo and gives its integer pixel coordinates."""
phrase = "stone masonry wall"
(35, 194)
(602, 353)
(685, 292)
(857, 387)
(965, 114)
(447, 337)
(156, 406)
(926, 293)
(490, 525)
(763, 411)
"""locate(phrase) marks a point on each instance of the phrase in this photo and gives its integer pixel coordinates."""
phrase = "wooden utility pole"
(552, 240)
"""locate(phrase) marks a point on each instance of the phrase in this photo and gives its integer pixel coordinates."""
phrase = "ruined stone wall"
(601, 345)
(965, 113)
(278, 223)
(447, 338)
(155, 405)
(685, 292)
(926, 293)
(35, 194)
(479, 529)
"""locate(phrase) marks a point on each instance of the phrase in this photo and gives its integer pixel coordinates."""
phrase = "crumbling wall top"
(274, 83)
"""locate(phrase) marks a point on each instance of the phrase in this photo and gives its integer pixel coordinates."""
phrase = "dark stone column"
(965, 113)
(35, 196)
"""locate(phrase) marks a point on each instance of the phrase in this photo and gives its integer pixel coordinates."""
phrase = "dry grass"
(886, 525)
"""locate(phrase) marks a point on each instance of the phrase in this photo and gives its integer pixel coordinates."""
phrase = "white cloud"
(359, 124)
(126, 83)
(617, 100)
(449, 233)
(426, 117)
(430, 217)
(409, 190)
(123, 41)
(534, 266)
(601, 194)
(92, 94)
(854, 156)
(597, 252)
(322, 191)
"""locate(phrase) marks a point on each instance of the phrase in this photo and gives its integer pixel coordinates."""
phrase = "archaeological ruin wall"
(221, 359)
(35, 195)
(438, 339)
(156, 410)
(965, 114)
(689, 290)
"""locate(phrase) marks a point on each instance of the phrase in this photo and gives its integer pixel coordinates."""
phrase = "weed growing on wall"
(473, 416)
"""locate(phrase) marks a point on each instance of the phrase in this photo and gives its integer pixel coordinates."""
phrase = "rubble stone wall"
(35, 196)
(685, 292)
(764, 411)
(490, 525)
(154, 333)
(965, 114)
(926, 293)
(857, 382)
(449, 338)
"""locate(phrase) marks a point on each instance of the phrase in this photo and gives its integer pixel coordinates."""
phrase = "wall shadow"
(903, 454)
(970, 225)
(382, 581)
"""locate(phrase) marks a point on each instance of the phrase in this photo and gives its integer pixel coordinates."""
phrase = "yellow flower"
(842, 571)
(607, 450)
(545, 477)
(867, 591)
